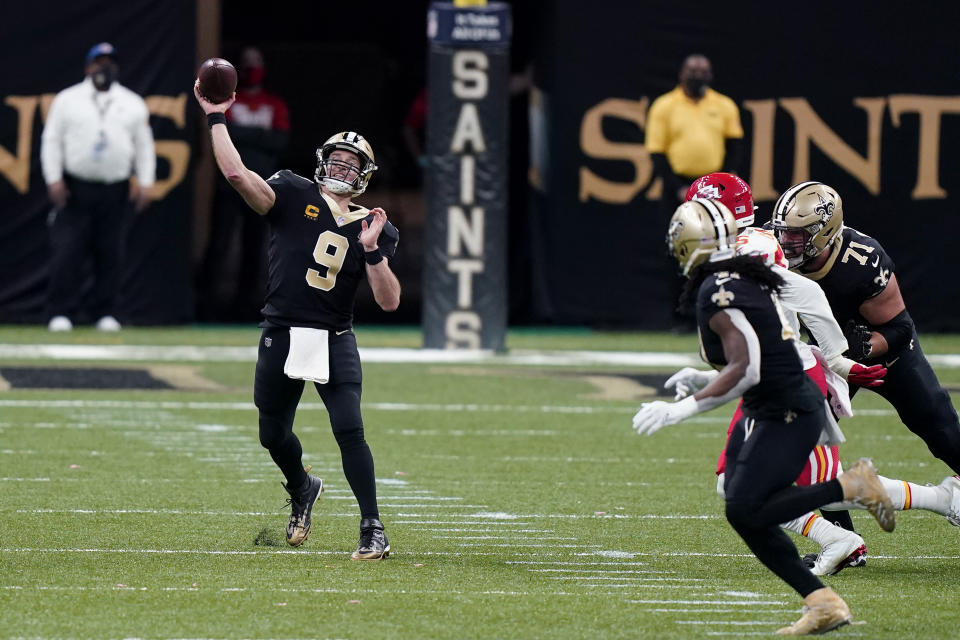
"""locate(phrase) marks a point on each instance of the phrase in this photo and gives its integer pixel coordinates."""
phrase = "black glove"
(858, 337)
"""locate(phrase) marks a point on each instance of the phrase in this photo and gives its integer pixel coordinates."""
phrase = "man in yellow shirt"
(692, 131)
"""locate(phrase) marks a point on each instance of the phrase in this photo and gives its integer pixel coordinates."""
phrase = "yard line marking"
(350, 497)
(514, 544)
(172, 512)
(605, 571)
(210, 552)
(380, 355)
(740, 633)
(734, 603)
(488, 592)
(468, 530)
(630, 578)
(316, 406)
(731, 622)
(764, 609)
(502, 524)
(577, 563)
(503, 537)
(634, 585)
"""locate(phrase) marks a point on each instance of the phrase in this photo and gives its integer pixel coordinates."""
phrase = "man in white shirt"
(96, 136)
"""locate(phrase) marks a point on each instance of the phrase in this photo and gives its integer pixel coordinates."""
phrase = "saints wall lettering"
(15, 164)
(465, 226)
(809, 131)
(464, 268)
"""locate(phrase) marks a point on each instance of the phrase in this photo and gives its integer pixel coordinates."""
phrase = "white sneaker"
(951, 484)
(108, 323)
(834, 555)
(60, 323)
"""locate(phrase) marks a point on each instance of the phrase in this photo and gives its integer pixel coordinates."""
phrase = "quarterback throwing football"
(320, 247)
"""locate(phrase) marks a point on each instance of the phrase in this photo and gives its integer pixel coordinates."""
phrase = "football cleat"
(848, 550)
(301, 506)
(824, 611)
(862, 486)
(373, 543)
(951, 484)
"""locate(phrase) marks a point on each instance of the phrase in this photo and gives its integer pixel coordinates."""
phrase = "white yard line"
(316, 406)
(729, 603)
(525, 357)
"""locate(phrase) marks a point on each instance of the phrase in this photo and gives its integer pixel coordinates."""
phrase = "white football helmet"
(352, 179)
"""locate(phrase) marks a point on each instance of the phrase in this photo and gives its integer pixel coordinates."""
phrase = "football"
(218, 80)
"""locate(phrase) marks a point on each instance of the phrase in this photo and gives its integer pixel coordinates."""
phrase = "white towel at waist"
(308, 357)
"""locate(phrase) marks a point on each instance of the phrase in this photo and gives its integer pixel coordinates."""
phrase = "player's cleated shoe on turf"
(951, 484)
(824, 611)
(862, 486)
(846, 550)
(373, 543)
(301, 506)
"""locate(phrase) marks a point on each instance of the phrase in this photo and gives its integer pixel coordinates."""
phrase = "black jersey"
(315, 260)
(783, 384)
(858, 269)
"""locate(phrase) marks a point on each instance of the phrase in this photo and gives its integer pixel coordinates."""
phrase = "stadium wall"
(44, 54)
(844, 93)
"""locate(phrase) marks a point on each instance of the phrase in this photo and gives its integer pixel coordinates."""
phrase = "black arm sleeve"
(733, 155)
(897, 331)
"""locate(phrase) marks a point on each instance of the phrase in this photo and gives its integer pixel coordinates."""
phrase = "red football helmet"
(729, 189)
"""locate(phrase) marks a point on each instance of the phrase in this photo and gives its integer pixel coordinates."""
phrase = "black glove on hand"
(858, 337)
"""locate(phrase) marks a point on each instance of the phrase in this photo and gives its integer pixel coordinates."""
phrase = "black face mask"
(104, 76)
(696, 86)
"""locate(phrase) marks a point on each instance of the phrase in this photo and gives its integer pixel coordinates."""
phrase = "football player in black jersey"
(861, 285)
(745, 334)
(320, 246)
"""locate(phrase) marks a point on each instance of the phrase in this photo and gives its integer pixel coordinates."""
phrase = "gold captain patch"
(311, 212)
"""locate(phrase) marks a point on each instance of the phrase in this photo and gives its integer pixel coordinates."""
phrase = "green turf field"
(518, 502)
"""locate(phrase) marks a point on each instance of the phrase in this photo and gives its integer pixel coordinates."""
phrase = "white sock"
(905, 495)
(930, 498)
(897, 491)
(797, 524)
(822, 531)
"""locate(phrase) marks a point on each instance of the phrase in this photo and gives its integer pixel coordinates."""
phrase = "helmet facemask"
(345, 173)
(806, 220)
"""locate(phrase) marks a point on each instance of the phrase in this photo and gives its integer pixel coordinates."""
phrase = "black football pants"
(764, 458)
(923, 405)
(88, 228)
(277, 396)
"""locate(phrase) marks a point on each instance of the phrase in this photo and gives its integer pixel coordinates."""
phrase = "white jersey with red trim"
(797, 296)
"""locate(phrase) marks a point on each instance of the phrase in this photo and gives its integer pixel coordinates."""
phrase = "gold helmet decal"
(806, 220)
(342, 177)
(698, 230)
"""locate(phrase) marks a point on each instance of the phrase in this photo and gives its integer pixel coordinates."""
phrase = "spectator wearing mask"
(97, 135)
